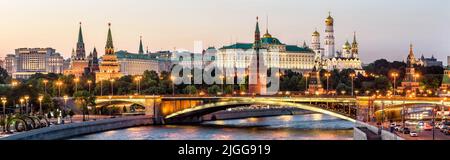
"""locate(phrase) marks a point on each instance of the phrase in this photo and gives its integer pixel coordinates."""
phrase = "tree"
(190, 89)
(82, 100)
(4, 77)
(214, 90)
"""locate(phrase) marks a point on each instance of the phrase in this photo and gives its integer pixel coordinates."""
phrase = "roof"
(294, 48)
(244, 46)
(289, 48)
(125, 54)
(270, 40)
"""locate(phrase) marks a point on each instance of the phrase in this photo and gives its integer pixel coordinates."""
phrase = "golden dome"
(346, 45)
(267, 35)
(329, 21)
(315, 33)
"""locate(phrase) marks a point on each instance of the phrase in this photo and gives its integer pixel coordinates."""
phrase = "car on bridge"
(413, 134)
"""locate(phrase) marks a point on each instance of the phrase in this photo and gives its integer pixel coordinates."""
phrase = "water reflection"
(297, 127)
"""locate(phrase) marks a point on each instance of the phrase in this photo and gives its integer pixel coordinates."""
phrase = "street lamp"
(417, 75)
(65, 101)
(352, 76)
(45, 85)
(138, 84)
(394, 75)
(76, 80)
(21, 104)
(112, 86)
(101, 87)
(328, 80)
(306, 86)
(40, 104)
(26, 103)
(89, 82)
(59, 84)
(4, 106)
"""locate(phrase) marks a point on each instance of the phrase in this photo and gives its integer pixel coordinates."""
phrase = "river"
(288, 127)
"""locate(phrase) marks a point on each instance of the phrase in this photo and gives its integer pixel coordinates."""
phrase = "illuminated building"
(109, 67)
(29, 61)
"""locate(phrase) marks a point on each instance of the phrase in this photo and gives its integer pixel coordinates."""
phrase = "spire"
(354, 38)
(109, 48)
(411, 59)
(73, 53)
(257, 42)
(267, 35)
(80, 35)
(257, 26)
(267, 24)
(94, 53)
(304, 44)
(141, 48)
(109, 42)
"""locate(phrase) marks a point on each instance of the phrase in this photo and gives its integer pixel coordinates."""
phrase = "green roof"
(294, 48)
(271, 41)
(127, 55)
(244, 46)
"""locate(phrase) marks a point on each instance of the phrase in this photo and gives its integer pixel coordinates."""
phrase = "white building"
(136, 64)
(29, 61)
(331, 59)
(275, 54)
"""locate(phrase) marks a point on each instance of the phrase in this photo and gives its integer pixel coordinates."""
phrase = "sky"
(385, 28)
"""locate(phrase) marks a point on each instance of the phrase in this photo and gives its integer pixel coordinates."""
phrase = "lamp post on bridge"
(352, 76)
(328, 80)
(395, 75)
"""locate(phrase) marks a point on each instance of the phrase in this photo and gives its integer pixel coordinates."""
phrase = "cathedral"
(328, 58)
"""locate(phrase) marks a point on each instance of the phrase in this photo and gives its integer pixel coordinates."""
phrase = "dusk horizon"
(384, 30)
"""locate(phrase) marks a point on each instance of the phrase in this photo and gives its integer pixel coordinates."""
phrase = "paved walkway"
(75, 119)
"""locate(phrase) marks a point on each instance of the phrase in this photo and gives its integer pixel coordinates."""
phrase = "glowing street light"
(394, 75)
(4, 106)
(21, 100)
(27, 98)
(328, 80)
(352, 76)
(306, 87)
(138, 85)
(65, 100)
(76, 80)
(40, 104)
(112, 86)
(59, 84)
(417, 75)
(45, 85)
(89, 82)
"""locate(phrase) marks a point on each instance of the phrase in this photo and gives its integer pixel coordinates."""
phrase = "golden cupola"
(329, 20)
(315, 33)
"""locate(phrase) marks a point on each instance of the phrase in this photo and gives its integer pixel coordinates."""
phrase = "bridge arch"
(217, 106)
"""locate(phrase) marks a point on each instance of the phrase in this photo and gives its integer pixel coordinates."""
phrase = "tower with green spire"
(81, 51)
(109, 48)
(257, 43)
(141, 48)
(109, 67)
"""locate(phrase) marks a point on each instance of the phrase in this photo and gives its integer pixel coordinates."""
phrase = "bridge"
(189, 109)
(179, 109)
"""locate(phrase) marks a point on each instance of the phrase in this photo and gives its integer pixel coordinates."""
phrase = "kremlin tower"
(78, 63)
(256, 79)
(110, 67)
